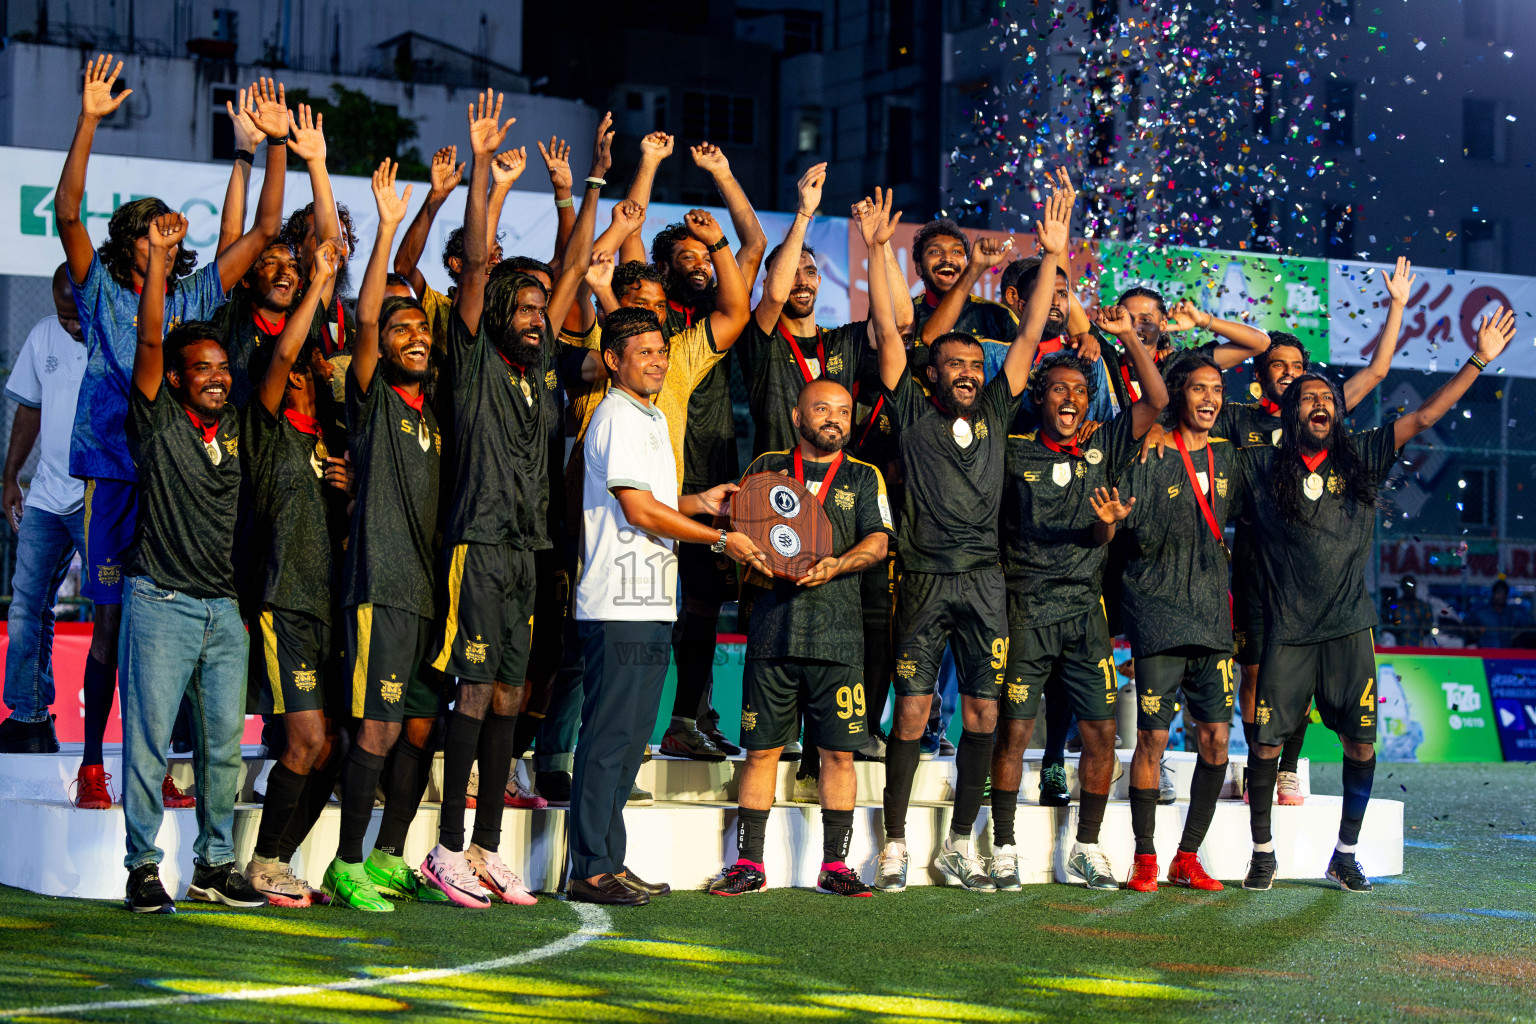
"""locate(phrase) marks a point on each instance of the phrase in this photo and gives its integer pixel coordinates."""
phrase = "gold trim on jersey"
(451, 627)
(360, 665)
(269, 651)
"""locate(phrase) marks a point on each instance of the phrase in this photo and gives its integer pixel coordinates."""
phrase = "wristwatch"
(718, 547)
(720, 244)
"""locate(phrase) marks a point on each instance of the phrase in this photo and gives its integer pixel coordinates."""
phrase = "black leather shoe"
(608, 891)
(639, 884)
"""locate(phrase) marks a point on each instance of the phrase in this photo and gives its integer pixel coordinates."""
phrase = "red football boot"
(1144, 874)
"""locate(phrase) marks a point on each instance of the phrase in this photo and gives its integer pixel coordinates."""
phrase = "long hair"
(129, 223)
(1287, 470)
(1176, 371)
(501, 291)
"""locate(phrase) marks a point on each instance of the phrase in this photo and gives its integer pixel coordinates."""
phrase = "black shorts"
(775, 690)
(386, 648)
(704, 575)
(967, 611)
(1203, 675)
(1247, 622)
(1339, 674)
(289, 662)
(1075, 654)
(488, 631)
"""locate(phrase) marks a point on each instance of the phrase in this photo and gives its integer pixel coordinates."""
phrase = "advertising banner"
(1274, 293)
(1477, 562)
(1440, 324)
(1512, 684)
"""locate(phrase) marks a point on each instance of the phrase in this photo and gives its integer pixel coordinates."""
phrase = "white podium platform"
(48, 846)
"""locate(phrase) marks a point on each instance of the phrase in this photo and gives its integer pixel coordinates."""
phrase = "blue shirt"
(109, 317)
(1101, 409)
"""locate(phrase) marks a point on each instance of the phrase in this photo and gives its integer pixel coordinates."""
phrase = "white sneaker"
(806, 791)
(1005, 868)
(892, 873)
(496, 877)
(277, 883)
(520, 793)
(450, 871)
(1288, 790)
(1088, 863)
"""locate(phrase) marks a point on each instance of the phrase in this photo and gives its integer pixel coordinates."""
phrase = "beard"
(701, 300)
(1311, 443)
(519, 351)
(822, 440)
(945, 390)
(798, 311)
(399, 374)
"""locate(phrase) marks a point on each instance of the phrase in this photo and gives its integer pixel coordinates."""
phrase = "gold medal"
(961, 429)
(423, 438)
(321, 451)
(527, 391)
(1312, 486)
(214, 451)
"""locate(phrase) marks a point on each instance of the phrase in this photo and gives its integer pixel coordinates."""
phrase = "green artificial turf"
(1453, 939)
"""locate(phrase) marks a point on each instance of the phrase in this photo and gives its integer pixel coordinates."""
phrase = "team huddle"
(488, 520)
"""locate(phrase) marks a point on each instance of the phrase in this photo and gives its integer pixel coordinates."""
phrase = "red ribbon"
(1313, 461)
(1273, 408)
(415, 403)
(1070, 449)
(208, 433)
(1200, 496)
(305, 424)
(821, 353)
(686, 311)
(826, 481)
(335, 344)
(267, 327)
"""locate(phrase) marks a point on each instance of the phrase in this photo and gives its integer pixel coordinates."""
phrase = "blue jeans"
(45, 546)
(173, 645)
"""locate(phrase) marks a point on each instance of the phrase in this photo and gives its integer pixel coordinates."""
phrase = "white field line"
(594, 922)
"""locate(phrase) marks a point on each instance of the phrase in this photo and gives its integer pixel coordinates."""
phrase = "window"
(1475, 496)
(1339, 227)
(223, 129)
(226, 25)
(899, 145)
(1340, 114)
(808, 131)
(1482, 129)
(903, 46)
(1481, 20)
(802, 32)
(1482, 245)
(967, 13)
(719, 118)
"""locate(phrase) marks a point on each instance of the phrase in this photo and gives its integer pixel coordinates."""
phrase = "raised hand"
(557, 160)
(392, 206)
(656, 146)
(702, 226)
(708, 157)
(1497, 330)
(486, 130)
(508, 166)
(810, 186)
(1054, 229)
(96, 100)
(446, 171)
(270, 111)
(600, 273)
(1108, 506)
(1115, 320)
(1186, 316)
(602, 147)
(247, 135)
(306, 134)
(989, 252)
(628, 216)
(167, 230)
(327, 258)
(1400, 283)
(876, 222)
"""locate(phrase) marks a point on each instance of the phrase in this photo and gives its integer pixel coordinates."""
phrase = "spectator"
(49, 523)
(1496, 623)
(1413, 620)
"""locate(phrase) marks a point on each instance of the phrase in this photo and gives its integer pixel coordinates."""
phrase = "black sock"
(495, 768)
(317, 793)
(528, 725)
(1290, 754)
(459, 750)
(1358, 776)
(1204, 791)
(99, 686)
(1143, 819)
(1261, 796)
(751, 824)
(973, 762)
(285, 788)
(1005, 809)
(1251, 735)
(836, 834)
(900, 768)
(402, 796)
(1058, 722)
(693, 645)
(1090, 815)
(360, 778)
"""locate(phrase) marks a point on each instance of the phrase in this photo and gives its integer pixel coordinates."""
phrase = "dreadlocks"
(1287, 470)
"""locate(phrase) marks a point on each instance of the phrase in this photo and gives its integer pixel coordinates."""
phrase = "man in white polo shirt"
(49, 523)
(626, 600)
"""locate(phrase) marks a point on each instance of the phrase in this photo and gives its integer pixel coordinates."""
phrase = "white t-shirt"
(47, 377)
(627, 574)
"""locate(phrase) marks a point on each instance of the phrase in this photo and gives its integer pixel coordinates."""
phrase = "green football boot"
(393, 877)
(349, 885)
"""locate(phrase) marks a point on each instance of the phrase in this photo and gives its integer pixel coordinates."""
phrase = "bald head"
(64, 302)
(824, 415)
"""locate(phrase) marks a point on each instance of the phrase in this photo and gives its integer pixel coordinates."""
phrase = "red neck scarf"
(335, 344)
(270, 328)
(1273, 408)
(208, 433)
(305, 424)
(1313, 461)
(516, 366)
(686, 311)
(415, 403)
(826, 481)
(931, 299)
(1071, 448)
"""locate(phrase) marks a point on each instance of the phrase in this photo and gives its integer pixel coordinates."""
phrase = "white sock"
(959, 843)
(1349, 848)
(1263, 847)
